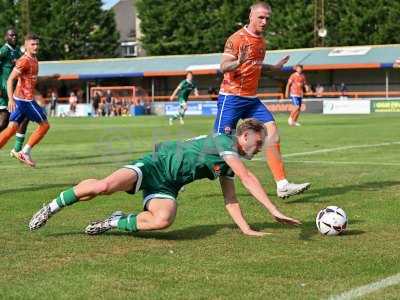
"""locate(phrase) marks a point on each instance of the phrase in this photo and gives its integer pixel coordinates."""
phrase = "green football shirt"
(197, 158)
(185, 88)
(8, 57)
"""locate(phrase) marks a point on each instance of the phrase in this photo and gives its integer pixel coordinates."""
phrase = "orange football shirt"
(297, 82)
(28, 68)
(244, 80)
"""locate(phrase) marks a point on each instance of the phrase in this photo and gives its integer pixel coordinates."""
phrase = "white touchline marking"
(336, 149)
(330, 162)
(368, 288)
(341, 148)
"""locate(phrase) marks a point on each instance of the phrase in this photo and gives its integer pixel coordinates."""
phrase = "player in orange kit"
(242, 65)
(21, 103)
(295, 90)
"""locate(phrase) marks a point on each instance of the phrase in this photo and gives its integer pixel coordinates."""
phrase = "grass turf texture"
(203, 255)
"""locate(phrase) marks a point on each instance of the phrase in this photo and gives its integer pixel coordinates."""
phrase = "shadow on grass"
(198, 232)
(83, 164)
(188, 233)
(353, 232)
(319, 195)
(109, 159)
(36, 188)
(105, 155)
(309, 229)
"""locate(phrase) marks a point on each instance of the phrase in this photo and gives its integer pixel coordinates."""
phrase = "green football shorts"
(3, 95)
(182, 102)
(152, 180)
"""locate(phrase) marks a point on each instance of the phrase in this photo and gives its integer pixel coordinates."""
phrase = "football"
(331, 220)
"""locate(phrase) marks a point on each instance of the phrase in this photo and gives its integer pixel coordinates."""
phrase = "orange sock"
(7, 134)
(38, 134)
(275, 163)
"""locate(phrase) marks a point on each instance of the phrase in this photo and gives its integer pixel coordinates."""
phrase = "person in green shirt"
(9, 53)
(161, 174)
(183, 90)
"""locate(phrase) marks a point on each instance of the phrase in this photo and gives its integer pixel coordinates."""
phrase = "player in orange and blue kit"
(295, 90)
(21, 103)
(242, 65)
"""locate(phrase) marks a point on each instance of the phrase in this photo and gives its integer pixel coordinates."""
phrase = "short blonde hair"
(253, 125)
(260, 4)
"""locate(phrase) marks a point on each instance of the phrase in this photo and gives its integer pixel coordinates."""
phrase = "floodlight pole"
(152, 89)
(25, 16)
(319, 22)
(87, 92)
(387, 83)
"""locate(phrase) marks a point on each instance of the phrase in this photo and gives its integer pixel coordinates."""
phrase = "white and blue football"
(331, 220)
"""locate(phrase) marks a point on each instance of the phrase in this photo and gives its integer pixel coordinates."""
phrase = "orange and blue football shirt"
(244, 80)
(297, 82)
(28, 69)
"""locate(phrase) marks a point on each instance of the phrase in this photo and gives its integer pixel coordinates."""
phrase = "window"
(129, 49)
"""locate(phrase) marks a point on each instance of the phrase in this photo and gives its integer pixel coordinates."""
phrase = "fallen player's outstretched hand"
(281, 218)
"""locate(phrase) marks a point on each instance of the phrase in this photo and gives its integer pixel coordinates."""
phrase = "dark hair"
(31, 36)
(189, 72)
(298, 65)
(251, 124)
(10, 29)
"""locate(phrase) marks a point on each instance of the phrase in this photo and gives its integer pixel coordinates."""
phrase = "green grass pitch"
(203, 255)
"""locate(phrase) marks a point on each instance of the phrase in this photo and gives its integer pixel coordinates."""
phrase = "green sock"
(67, 197)
(128, 223)
(19, 141)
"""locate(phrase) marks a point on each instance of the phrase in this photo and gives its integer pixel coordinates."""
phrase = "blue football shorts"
(232, 108)
(28, 109)
(296, 100)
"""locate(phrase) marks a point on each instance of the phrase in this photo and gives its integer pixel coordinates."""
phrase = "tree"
(34, 16)
(69, 29)
(79, 29)
(373, 22)
(72, 29)
(7, 16)
(192, 26)
(291, 25)
(202, 26)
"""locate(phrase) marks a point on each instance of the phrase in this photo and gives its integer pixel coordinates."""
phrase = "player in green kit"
(160, 176)
(9, 53)
(184, 89)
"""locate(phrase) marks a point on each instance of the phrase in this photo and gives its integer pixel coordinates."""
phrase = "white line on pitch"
(330, 162)
(368, 288)
(327, 150)
(341, 148)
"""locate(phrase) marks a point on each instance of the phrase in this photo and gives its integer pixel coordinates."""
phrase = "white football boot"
(40, 218)
(291, 189)
(99, 227)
